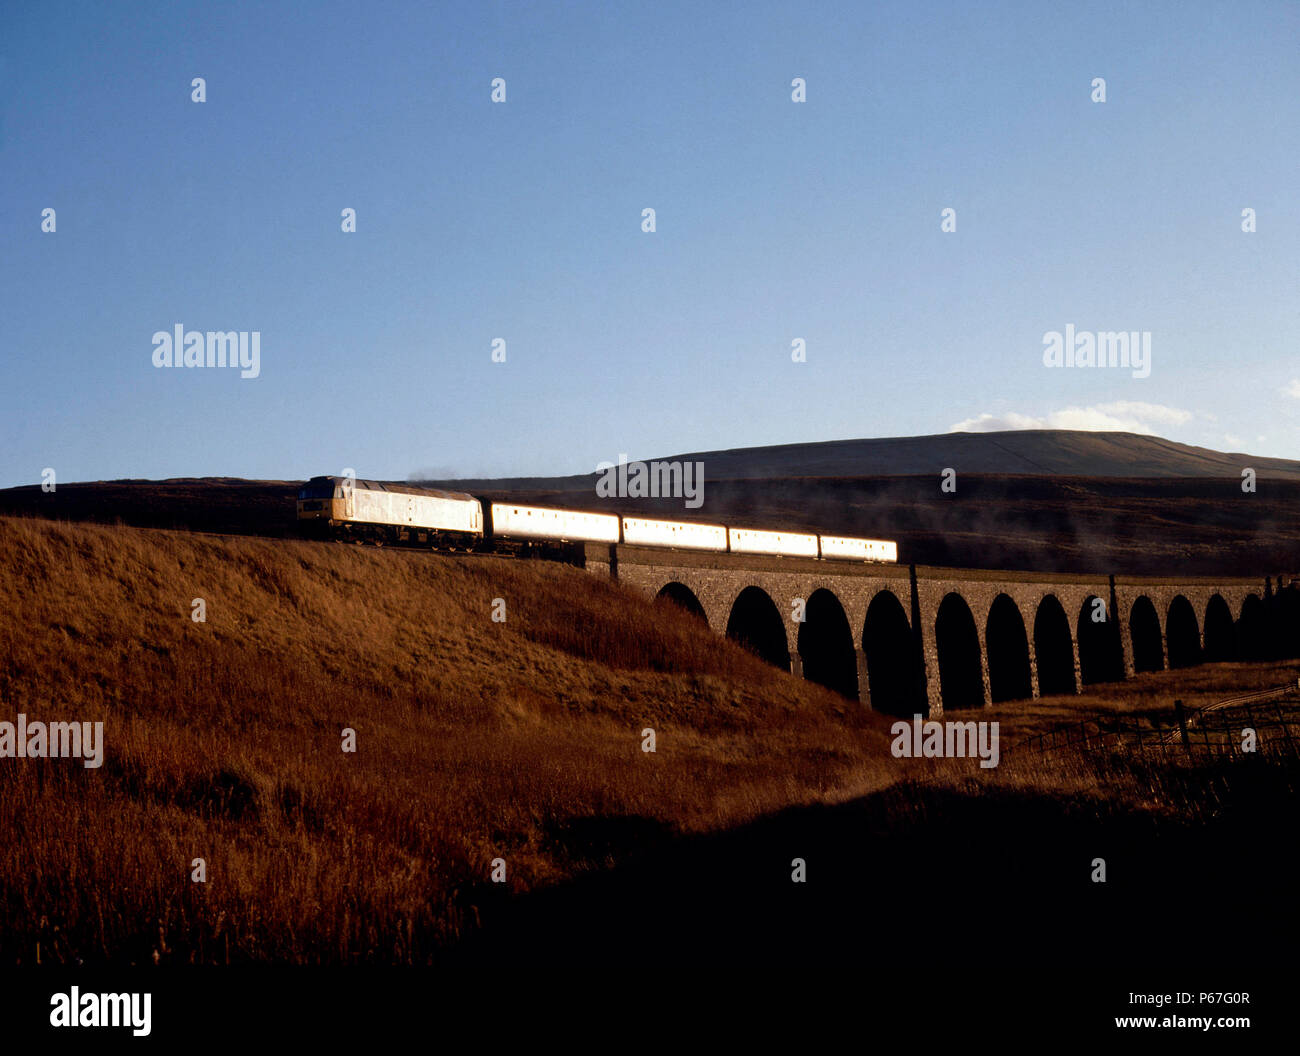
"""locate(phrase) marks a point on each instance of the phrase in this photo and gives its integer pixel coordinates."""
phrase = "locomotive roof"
(401, 489)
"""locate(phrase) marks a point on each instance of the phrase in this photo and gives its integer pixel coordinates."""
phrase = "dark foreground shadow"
(915, 892)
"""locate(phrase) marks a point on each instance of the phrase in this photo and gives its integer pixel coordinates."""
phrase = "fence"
(1217, 729)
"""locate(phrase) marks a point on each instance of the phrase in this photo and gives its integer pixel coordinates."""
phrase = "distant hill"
(1043, 499)
(1028, 452)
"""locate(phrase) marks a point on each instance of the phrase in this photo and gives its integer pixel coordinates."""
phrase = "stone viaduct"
(906, 639)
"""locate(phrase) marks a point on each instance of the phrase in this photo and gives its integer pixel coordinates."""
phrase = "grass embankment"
(475, 740)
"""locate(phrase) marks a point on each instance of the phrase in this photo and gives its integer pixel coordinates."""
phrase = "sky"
(775, 221)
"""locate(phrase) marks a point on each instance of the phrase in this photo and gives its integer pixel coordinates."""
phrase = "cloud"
(1126, 416)
(1293, 389)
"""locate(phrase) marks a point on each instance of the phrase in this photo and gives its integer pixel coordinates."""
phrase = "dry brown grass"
(1150, 695)
(476, 740)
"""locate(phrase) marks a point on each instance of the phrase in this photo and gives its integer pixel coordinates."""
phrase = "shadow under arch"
(1182, 634)
(1101, 655)
(1007, 645)
(1252, 629)
(957, 641)
(1053, 648)
(893, 664)
(684, 598)
(825, 645)
(1286, 623)
(1144, 633)
(755, 623)
(1220, 638)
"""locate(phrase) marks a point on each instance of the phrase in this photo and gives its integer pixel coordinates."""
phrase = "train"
(370, 511)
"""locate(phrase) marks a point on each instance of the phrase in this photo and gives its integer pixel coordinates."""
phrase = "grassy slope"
(476, 740)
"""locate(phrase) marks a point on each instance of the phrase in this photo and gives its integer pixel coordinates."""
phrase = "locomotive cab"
(320, 502)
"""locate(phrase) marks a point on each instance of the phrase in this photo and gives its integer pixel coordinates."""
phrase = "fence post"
(1286, 728)
(1182, 726)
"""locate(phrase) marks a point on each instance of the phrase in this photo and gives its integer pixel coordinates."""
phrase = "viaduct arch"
(908, 640)
(1008, 644)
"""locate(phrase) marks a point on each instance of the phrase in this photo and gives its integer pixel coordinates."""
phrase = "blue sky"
(522, 220)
